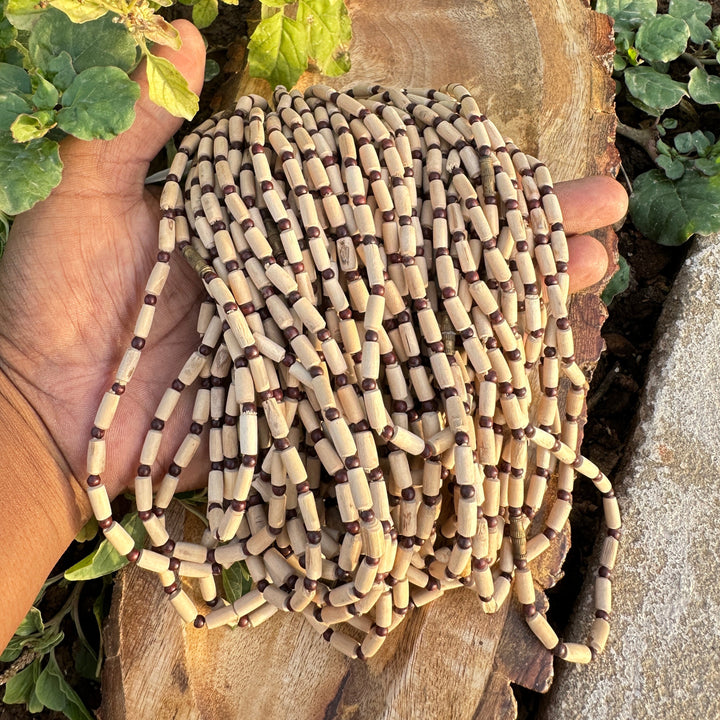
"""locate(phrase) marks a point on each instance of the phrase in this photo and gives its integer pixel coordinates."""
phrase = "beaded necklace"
(381, 352)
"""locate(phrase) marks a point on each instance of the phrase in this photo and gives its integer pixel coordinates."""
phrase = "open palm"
(72, 281)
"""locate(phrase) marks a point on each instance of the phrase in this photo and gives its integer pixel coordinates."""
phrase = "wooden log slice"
(540, 72)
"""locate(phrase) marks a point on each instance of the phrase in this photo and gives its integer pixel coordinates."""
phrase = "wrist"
(33, 456)
(43, 506)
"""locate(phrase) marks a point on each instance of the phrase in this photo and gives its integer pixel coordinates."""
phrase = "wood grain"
(540, 71)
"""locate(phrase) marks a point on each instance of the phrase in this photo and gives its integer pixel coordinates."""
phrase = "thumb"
(121, 163)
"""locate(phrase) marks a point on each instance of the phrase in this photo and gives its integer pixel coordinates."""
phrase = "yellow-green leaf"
(204, 12)
(80, 11)
(278, 50)
(23, 13)
(329, 33)
(169, 89)
(160, 31)
(32, 126)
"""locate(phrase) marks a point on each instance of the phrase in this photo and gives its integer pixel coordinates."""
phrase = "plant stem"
(645, 138)
(21, 663)
(699, 62)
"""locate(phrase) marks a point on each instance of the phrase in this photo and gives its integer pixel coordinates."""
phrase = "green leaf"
(708, 166)
(692, 142)
(46, 642)
(14, 79)
(96, 43)
(275, 3)
(7, 32)
(278, 50)
(54, 692)
(204, 12)
(704, 88)
(106, 559)
(674, 169)
(670, 211)
(657, 91)
(329, 31)
(85, 660)
(29, 172)
(32, 126)
(169, 89)
(236, 581)
(31, 624)
(100, 103)
(19, 688)
(695, 13)
(618, 282)
(628, 13)
(212, 69)
(81, 12)
(34, 705)
(662, 38)
(88, 531)
(13, 649)
(61, 71)
(46, 94)
(23, 14)
(11, 106)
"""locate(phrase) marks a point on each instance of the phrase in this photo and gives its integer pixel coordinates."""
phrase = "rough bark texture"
(539, 71)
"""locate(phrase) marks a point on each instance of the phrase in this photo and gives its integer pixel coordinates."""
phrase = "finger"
(588, 262)
(121, 163)
(590, 203)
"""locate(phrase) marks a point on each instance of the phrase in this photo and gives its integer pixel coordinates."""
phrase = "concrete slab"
(663, 657)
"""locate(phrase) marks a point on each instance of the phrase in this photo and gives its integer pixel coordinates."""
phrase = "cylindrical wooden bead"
(259, 542)
(227, 555)
(153, 561)
(542, 630)
(194, 570)
(143, 493)
(407, 441)
(559, 515)
(598, 636)
(187, 450)
(96, 458)
(608, 555)
(99, 502)
(150, 447)
(106, 411)
(577, 653)
(119, 538)
(183, 605)
(261, 615)
(221, 616)
(167, 404)
(524, 586)
(603, 594)
(611, 511)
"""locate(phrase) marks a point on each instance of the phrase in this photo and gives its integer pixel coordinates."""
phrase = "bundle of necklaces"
(381, 352)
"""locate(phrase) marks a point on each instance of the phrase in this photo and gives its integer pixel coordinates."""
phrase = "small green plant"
(34, 677)
(666, 66)
(281, 45)
(64, 68)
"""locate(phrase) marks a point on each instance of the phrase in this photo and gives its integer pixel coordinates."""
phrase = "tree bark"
(540, 71)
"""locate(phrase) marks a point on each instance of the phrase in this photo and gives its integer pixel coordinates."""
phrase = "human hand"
(74, 272)
(72, 279)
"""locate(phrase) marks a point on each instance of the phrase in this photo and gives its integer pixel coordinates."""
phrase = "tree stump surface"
(540, 71)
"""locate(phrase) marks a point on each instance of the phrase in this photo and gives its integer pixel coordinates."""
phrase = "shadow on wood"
(539, 71)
